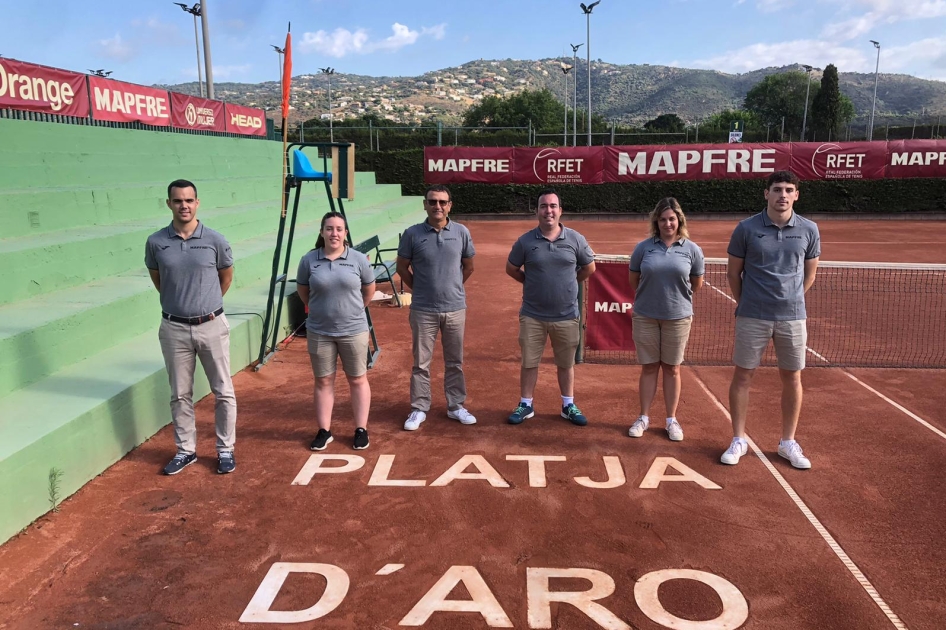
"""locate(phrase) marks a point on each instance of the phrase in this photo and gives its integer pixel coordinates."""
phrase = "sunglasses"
(437, 202)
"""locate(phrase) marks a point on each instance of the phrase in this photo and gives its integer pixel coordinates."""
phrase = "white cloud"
(342, 42)
(880, 12)
(115, 48)
(769, 6)
(929, 54)
(230, 72)
(814, 52)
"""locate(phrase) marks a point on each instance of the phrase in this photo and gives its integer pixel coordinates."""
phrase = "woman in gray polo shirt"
(336, 283)
(666, 268)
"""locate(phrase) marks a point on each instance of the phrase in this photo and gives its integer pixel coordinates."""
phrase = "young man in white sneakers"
(435, 259)
(773, 259)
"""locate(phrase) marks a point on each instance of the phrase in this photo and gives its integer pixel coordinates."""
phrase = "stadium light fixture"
(329, 72)
(279, 53)
(565, 69)
(873, 105)
(804, 120)
(588, 9)
(195, 11)
(575, 48)
(100, 72)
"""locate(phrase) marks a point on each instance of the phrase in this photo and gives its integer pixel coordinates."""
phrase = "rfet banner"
(839, 160)
(117, 101)
(191, 112)
(651, 163)
(33, 88)
(245, 120)
(609, 306)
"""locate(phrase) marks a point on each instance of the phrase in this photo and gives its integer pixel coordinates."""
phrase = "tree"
(830, 109)
(723, 119)
(537, 106)
(668, 123)
(779, 95)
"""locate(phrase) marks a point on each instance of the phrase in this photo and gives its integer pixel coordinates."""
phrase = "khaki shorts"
(753, 335)
(661, 340)
(564, 336)
(324, 352)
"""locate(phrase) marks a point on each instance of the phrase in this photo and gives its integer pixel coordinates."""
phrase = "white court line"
(828, 538)
(893, 403)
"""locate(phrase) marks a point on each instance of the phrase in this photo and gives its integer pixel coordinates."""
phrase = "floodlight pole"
(804, 120)
(208, 64)
(565, 70)
(195, 11)
(280, 52)
(588, 11)
(575, 48)
(873, 105)
(329, 72)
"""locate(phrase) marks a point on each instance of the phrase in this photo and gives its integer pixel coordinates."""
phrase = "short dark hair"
(782, 177)
(439, 188)
(181, 183)
(547, 191)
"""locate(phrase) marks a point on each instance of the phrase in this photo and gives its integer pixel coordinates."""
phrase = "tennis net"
(887, 315)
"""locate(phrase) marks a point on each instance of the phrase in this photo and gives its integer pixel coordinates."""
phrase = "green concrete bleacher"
(82, 380)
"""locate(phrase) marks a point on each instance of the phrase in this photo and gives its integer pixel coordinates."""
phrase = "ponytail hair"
(320, 241)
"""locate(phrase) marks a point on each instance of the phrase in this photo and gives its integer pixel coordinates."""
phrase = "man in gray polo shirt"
(773, 259)
(435, 259)
(191, 266)
(550, 261)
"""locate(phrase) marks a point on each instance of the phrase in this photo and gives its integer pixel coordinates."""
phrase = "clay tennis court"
(604, 531)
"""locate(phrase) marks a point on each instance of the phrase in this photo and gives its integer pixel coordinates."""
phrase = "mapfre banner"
(245, 120)
(26, 86)
(190, 112)
(653, 163)
(117, 101)
(609, 306)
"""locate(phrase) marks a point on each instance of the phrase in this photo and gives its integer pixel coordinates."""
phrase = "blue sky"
(150, 41)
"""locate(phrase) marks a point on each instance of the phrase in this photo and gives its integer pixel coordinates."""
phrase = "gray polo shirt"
(190, 286)
(435, 262)
(550, 290)
(336, 305)
(773, 279)
(665, 291)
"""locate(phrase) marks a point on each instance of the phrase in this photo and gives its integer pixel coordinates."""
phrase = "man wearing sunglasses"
(435, 259)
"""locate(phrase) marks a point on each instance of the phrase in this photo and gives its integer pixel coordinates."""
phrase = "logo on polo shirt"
(759, 235)
(792, 237)
(346, 264)
(450, 239)
(200, 247)
(317, 266)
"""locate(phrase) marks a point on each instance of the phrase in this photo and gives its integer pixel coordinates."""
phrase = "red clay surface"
(134, 549)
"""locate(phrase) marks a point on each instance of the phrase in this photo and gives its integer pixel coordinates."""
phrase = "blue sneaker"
(179, 463)
(573, 413)
(226, 462)
(522, 412)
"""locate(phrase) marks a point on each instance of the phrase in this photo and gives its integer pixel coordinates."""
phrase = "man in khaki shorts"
(191, 266)
(773, 259)
(550, 261)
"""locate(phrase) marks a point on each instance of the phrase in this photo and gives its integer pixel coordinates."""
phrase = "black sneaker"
(226, 462)
(571, 412)
(179, 463)
(522, 412)
(361, 439)
(322, 438)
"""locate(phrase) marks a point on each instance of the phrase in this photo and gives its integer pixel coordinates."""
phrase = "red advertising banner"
(29, 87)
(916, 158)
(609, 307)
(190, 112)
(839, 160)
(694, 161)
(117, 101)
(481, 165)
(558, 165)
(245, 120)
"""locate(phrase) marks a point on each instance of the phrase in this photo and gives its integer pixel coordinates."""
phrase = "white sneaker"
(413, 421)
(675, 431)
(461, 414)
(736, 449)
(637, 429)
(794, 454)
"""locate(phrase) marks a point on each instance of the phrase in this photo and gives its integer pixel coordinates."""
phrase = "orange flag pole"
(286, 90)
